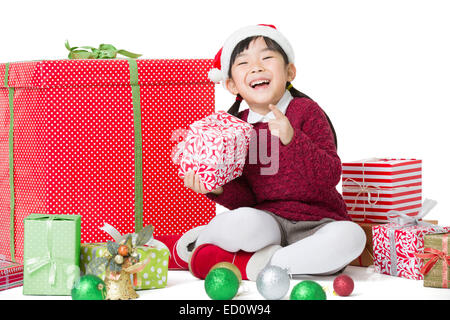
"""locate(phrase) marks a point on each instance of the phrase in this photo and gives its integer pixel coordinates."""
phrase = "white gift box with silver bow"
(396, 244)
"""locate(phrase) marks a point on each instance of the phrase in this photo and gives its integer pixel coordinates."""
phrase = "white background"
(380, 69)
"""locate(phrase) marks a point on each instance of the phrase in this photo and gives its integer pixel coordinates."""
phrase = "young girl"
(293, 218)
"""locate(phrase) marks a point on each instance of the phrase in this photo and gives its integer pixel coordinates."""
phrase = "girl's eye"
(240, 63)
(265, 58)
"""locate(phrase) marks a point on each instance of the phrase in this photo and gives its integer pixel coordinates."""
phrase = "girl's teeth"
(259, 83)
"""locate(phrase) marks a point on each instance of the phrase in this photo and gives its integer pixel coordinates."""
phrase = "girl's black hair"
(243, 45)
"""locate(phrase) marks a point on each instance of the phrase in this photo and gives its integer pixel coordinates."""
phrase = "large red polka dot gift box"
(95, 138)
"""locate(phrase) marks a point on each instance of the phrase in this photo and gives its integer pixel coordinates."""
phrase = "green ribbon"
(138, 184)
(12, 200)
(104, 51)
(33, 264)
(108, 51)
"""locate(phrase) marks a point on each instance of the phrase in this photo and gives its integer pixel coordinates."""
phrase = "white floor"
(368, 286)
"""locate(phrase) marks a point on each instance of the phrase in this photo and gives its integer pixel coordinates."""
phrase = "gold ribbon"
(362, 188)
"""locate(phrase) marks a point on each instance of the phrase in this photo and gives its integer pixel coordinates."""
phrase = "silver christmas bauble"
(273, 282)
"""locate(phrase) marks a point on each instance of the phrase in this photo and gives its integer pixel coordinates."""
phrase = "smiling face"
(259, 74)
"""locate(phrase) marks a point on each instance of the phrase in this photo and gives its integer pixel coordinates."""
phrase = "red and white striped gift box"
(11, 274)
(372, 187)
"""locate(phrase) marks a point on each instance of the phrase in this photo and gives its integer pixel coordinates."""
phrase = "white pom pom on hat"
(215, 75)
(221, 62)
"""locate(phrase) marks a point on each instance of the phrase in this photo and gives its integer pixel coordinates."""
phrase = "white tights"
(326, 251)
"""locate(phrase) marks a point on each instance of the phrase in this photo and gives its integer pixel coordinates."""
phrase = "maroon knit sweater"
(304, 188)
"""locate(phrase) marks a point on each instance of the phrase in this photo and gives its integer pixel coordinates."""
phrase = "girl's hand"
(192, 181)
(280, 126)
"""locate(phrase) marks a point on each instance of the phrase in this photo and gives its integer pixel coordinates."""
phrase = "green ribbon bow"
(104, 51)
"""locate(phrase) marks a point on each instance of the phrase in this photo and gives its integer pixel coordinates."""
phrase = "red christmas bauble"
(343, 285)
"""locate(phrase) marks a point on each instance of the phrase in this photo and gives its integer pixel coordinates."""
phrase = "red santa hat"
(221, 62)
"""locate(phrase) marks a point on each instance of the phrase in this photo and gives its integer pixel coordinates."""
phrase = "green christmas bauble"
(89, 287)
(221, 284)
(308, 290)
(230, 266)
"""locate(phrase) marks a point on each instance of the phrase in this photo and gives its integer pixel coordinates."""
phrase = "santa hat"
(221, 62)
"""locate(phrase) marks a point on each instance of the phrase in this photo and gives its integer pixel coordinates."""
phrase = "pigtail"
(234, 109)
(297, 94)
(294, 92)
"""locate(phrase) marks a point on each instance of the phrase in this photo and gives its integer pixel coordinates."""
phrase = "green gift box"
(51, 253)
(153, 276)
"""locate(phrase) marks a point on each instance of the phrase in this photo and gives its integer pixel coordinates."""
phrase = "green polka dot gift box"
(153, 276)
(51, 254)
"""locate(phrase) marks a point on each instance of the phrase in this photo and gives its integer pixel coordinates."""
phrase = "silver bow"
(109, 229)
(403, 221)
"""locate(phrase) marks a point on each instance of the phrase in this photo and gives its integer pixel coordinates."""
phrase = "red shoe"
(205, 256)
(182, 247)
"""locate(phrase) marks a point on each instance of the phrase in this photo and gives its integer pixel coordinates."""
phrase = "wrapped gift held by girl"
(214, 148)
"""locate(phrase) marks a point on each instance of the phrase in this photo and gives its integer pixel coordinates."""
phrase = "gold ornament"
(119, 266)
(119, 287)
(118, 284)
